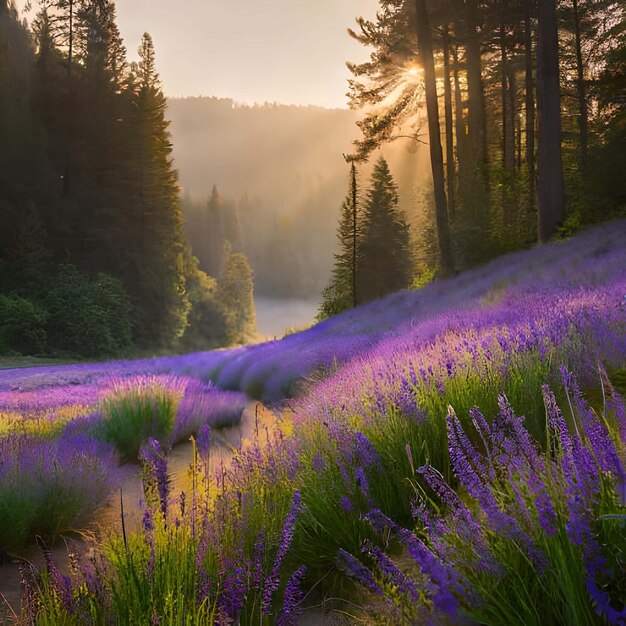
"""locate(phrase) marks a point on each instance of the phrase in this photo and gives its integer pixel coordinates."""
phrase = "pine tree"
(342, 291)
(154, 234)
(385, 263)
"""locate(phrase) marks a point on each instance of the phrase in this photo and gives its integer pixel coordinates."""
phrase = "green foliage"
(339, 295)
(86, 177)
(87, 316)
(425, 277)
(22, 325)
(235, 290)
(382, 261)
(385, 263)
(181, 566)
(137, 409)
(206, 323)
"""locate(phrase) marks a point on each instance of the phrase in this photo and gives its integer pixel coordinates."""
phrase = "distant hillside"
(281, 153)
(281, 171)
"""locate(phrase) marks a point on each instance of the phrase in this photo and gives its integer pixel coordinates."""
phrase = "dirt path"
(224, 443)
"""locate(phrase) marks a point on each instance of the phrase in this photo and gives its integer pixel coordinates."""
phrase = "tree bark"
(550, 190)
(476, 97)
(581, 88)
(511, 115)
(530, 102)
(425, 47)
(70, 78)
(450, 165)
(354, 235)
(459, 118)
(508, 137)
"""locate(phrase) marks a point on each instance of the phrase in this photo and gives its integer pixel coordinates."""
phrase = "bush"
(206, 321)
(138, 408)
(49, 487)
(204, 404)
(22, 325)
(88, 316)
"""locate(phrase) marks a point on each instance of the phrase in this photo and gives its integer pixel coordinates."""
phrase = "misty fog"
(281, 178)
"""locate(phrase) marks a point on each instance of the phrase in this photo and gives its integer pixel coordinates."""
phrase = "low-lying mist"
(277, 177)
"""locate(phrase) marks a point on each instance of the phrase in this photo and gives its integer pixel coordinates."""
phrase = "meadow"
(403, 486)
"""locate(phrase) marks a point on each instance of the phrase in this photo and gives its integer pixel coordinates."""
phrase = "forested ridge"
(521, 105)
(515, 108)
(92, 248)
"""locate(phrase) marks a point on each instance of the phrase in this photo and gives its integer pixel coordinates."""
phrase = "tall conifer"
(385, 263)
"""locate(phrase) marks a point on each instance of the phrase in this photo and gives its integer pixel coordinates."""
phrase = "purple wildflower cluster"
(543, 505)
(47, 486)
(511, 511)
(226, 576)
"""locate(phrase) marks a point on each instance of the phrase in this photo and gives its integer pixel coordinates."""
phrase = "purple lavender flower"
(346, 504)
(355, 569)
(294, 594)
(203, 440)
(233, 596)
(319, 463)
(361, 482)
(155, 472)
(257, 561)
(365, 453)
(392, 573)
(271, 583)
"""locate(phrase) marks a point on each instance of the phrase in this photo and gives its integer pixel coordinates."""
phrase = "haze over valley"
(281, 177)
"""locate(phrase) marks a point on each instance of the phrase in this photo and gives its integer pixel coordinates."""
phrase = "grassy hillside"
(404, 483)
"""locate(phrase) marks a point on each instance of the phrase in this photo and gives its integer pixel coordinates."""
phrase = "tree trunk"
(581, 87)
(425, 46)
(550, 191)
(459, 118)
(530, 102)
(511, 116)
(476, 97)
(70, 78)
(508, 140)
(354, 235)
(450, 166)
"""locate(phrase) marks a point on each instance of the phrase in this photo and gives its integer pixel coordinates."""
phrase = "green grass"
(137, 409)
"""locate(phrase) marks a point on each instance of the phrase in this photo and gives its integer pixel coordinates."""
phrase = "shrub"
(206, 323)
(22, 325)
(192, 563)
(204, 404)
(88, 316)
(137, 408)
(50, 487)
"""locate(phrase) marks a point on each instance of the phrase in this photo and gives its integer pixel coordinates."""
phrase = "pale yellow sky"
(288, 51)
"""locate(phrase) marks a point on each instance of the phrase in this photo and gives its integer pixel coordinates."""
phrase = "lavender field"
(403, 485)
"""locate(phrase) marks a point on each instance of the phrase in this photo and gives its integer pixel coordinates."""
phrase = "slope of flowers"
(591, 261)
(60, 445)
(527, 538)
(408, 470)
(518, 536)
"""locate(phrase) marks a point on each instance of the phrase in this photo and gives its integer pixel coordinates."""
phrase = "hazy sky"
(290, 51)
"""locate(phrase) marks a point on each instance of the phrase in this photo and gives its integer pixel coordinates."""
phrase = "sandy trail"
(108, 520)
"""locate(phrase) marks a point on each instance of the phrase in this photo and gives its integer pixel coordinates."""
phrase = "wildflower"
(271, 583)
(203, 440)
(155, 472)
(346, 504)
(390, 570)
(290, 613)
(358, 571)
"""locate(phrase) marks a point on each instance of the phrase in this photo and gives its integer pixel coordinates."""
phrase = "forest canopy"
(92, 246)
